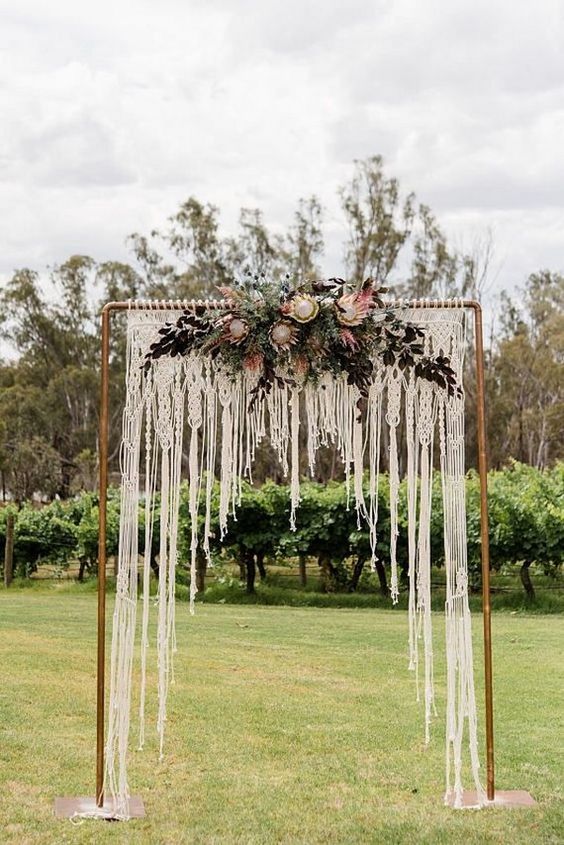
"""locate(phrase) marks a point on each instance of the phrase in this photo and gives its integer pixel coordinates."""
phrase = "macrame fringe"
(192, 394)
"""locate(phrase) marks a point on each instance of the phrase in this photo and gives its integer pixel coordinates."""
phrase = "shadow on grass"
(276, 591)
(274, 594)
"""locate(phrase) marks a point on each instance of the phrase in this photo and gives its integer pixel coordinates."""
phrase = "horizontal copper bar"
(184, 304)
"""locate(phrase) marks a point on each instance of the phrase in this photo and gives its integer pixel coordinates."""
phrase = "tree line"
(49, 383)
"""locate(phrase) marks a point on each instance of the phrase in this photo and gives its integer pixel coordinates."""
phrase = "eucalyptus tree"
(526, 389)
(53, 393)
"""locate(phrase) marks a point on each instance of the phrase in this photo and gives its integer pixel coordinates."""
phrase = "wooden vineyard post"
(9, 551)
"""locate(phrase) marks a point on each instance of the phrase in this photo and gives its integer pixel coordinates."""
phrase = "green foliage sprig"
(306, 331)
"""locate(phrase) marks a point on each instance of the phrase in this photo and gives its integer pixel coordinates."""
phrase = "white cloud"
(113, 114)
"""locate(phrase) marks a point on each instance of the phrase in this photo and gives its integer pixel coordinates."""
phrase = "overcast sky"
(114, 112)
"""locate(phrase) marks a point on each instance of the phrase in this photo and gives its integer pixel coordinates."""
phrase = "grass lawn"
(286, 725)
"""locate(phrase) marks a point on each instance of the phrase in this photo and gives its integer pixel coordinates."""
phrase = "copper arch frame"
(170, 305)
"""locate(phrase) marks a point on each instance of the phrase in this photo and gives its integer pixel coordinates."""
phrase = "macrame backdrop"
(193, 397)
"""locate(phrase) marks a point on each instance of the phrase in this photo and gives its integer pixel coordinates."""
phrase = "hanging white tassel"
(393, 418)
(194, 398)
(278, 401)
(327, 399)
(425, 425)
(252, 427)
(178, 388)
(311, 402)
(295, 449)
(210, 447)
(123, 631)
(150, 483)
(345, 398)
(412, 470)
(461, 699)
(358, 459)
(225, 483)
(374, 425)
(165, 433)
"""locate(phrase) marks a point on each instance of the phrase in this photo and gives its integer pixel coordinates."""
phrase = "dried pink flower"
(301, 365)
(254, 362)
(348, 339)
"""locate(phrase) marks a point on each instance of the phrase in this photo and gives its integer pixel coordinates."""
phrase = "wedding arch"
(266, 359)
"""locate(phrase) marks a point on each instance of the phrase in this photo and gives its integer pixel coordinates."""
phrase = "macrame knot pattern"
(192, 399)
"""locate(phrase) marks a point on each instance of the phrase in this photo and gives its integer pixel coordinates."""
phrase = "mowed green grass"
(286, 725)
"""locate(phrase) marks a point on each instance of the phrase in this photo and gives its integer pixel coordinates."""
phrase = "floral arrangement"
(306, 331)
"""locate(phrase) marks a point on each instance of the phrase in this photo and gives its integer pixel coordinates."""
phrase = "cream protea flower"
(303, 308)
(283, 335)
(236, 330)
(352, 308)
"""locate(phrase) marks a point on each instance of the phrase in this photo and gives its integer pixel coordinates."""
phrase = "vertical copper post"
(485, 546)
(103, 478)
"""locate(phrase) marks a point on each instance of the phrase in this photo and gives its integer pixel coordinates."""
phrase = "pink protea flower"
(366, 296)
(348, 339)
(353, 308)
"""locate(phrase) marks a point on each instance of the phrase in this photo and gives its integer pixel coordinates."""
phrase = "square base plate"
(503, 798)
(65, 808)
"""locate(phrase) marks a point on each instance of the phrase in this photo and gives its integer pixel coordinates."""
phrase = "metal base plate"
(503, 798)
(85, 807)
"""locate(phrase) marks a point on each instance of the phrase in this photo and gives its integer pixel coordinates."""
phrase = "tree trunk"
(9, 551)
(260, 565)
(333, 463)
(381, 573)
(327, 574)
(66, 477)
(81, 568)
(303, 573)
(155, 565)
(251, 572)
(201, 569)
(404, 575)
(526, 580)
(357, 572)
(521, 446)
